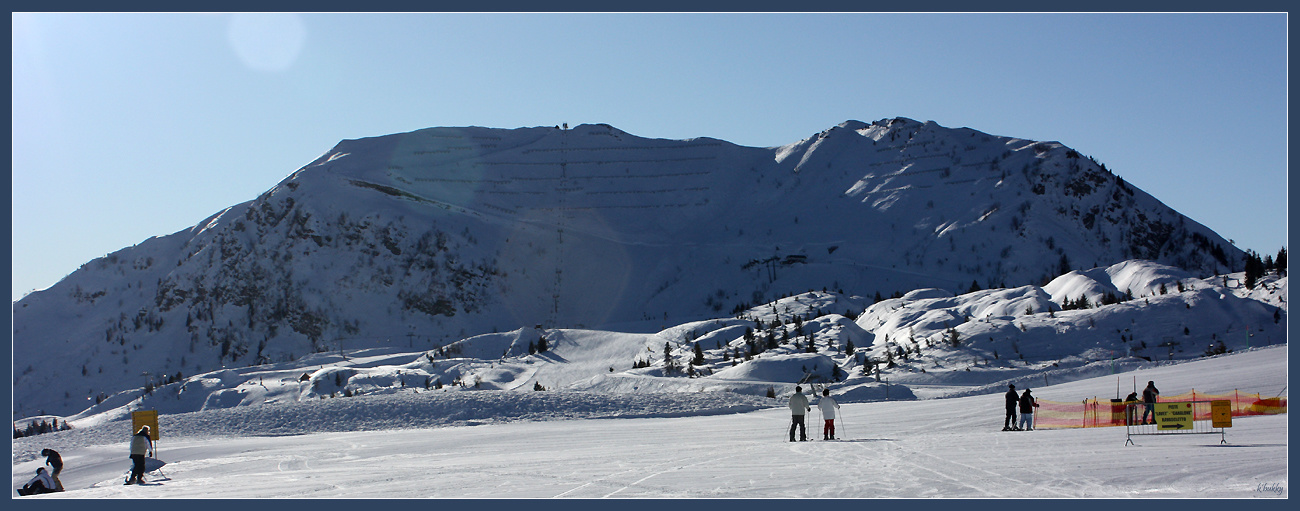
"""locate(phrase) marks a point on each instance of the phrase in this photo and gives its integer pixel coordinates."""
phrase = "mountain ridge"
(439, 234)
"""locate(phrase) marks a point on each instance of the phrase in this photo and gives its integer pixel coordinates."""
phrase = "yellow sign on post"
(1221, 413)
(1173, 416)
(145, 418)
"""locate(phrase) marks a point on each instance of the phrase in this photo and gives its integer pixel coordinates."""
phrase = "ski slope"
(934, 448)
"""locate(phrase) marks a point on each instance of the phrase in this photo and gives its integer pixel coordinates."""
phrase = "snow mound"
(797, 367)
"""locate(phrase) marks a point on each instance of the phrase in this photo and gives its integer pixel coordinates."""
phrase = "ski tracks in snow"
(600, 487)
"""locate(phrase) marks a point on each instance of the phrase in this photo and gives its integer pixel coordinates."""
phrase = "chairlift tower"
(561, 216)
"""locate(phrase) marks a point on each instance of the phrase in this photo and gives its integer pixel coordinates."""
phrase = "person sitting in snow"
(798, 407)
(828, 406)
(42, 483)
(1027, 405)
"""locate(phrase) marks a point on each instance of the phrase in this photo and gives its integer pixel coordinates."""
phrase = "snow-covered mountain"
(422, 239)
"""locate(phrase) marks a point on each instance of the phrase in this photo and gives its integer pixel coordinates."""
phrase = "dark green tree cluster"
(1255, 268)
(670, 365)
(40, 428)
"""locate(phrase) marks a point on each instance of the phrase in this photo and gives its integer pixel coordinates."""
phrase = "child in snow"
(1027, 405)
(828, 406)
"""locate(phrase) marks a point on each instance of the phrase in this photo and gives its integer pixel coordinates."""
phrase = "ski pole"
(820, 420)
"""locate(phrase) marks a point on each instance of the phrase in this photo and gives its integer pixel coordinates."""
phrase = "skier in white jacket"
(828, 406)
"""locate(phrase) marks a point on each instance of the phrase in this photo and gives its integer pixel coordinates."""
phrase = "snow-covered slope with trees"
(425, 240)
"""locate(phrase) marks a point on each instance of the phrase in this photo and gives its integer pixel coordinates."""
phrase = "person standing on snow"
(799, 407)
(1009, 423)
(1027, 405)
(55, 462)
(828, 406)
(141, 445)
(1149, 396)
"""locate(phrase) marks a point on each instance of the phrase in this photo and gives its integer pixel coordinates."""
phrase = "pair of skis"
(151, 464)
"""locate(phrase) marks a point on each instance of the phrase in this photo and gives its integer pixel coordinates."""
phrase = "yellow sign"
(1174, 416)
(145, 418)
(1221, 413)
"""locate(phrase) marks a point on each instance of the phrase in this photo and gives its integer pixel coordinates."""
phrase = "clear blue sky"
(128, 126)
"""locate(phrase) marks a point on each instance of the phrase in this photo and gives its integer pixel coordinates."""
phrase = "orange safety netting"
(1094, 412)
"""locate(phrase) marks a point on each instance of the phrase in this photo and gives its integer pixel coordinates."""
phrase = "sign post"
(1221, 413)
(1181, 417)
(146, 418)
(1173, 416)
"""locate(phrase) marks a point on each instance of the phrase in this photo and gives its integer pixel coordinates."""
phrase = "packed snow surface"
(502, 444)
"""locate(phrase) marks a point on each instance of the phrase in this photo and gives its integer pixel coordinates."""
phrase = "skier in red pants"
(828, 406)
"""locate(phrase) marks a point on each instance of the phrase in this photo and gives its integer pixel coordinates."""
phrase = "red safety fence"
(1094, 412)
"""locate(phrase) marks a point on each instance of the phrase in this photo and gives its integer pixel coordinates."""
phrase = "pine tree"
(699, 355)
(670, 367)
(542, 345)
(1254, 269)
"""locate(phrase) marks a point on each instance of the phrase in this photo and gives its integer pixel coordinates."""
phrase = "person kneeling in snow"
(42, 483)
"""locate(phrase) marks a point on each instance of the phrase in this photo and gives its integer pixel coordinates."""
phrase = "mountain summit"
(424, 238)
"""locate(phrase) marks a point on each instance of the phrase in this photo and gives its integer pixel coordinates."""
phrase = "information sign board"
(1221, 413)
(145, 418)
(1173, 416)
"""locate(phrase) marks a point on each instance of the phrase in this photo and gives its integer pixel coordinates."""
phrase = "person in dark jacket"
(1130, 408)
(1149, 396)
(141, 445)
(55, 462)
(1009, 424)
(1027, 405)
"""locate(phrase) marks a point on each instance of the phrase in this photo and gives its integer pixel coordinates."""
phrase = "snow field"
(939, 448)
